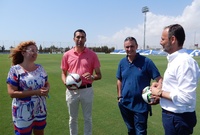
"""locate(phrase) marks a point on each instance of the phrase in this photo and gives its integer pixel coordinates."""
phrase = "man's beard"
(167, 48)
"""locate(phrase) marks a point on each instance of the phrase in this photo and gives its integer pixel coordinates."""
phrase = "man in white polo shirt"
(178, 91)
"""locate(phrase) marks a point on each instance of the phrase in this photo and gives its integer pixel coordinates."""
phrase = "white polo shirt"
(181, 80)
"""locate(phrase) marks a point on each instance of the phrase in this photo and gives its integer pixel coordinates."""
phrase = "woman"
(27, 84)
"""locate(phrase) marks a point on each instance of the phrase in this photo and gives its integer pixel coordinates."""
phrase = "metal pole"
(144, 30)
(144, 10)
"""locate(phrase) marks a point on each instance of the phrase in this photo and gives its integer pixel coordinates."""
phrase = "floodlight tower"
(144, 10)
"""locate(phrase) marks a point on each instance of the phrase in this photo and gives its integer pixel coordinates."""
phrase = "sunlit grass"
(107, 119)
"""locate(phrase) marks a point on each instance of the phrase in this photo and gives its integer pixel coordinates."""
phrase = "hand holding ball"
(73, 81)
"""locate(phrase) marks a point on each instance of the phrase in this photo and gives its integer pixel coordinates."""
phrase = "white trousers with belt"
(85, 98)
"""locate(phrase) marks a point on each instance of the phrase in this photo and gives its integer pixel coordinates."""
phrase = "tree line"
(54, 49)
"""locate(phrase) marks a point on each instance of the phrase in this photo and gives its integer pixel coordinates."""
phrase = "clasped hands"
(43, 91)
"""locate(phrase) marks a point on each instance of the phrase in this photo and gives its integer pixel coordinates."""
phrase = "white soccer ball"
(146, 95)
(73, 81)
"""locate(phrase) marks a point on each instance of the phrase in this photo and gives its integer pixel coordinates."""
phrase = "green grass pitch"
(107, 119)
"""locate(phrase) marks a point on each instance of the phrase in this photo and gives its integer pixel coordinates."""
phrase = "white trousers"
(73, 99)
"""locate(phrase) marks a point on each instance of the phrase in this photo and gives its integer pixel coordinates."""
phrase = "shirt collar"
(137, 54)
(171, 57)
(84, 50)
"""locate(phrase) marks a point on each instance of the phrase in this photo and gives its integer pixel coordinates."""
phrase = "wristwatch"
(92, 76)
(160, 93)
(119, 97)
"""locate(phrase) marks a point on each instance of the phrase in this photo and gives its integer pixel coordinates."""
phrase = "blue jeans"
(178, 123)
(136, 122)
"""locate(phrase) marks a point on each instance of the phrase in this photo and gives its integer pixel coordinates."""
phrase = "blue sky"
(106, 22)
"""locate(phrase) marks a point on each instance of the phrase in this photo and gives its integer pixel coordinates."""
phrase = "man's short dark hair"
(130, 39)
(79, 30)
(177, 31)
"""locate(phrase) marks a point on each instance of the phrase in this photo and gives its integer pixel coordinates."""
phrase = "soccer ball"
(146, 95)
(73, 81)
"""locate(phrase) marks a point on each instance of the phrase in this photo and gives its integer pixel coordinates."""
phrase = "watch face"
(159, 93)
